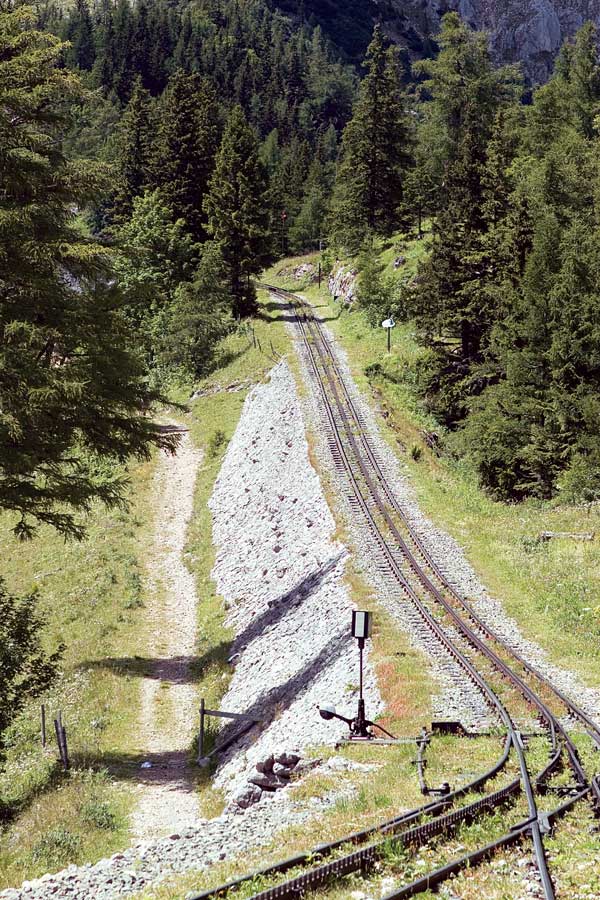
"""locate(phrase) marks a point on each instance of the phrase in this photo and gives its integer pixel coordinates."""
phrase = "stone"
(266, 765)
(248, 797)
(266, 782)
(289, 760)
(306, 765)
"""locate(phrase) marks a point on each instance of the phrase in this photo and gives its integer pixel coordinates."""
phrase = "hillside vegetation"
(155, 159)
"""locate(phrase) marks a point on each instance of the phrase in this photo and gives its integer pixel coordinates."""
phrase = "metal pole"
(361, 727)
(58, 740)
(43, 711)
(63, 734)
(201, 735)
(389, 339)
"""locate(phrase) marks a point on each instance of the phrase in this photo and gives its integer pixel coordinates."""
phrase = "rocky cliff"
(530, 31)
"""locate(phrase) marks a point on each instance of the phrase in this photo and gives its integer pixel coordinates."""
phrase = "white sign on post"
(388, 324)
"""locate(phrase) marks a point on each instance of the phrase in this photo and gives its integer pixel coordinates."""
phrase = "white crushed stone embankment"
(455, 695)
(280, 571)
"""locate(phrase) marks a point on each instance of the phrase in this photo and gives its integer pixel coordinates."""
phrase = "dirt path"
(167, 801)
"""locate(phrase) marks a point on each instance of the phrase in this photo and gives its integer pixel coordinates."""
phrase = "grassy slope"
(92, 595)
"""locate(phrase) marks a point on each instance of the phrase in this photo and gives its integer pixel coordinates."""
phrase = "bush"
(373, 370)
(217, 440)
(56, 848)
(26, 670)
(99, 814)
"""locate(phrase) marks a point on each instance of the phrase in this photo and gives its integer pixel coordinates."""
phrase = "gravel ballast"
(281, 573)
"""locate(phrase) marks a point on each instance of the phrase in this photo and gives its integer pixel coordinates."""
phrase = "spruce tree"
(186, 143)
(451, 302)
(134, 151)
(374, 154)
(189, 328)
(26, 668)
(236, 206)
(307, 229)
(71, 392)
(585, 79)
(80, 33)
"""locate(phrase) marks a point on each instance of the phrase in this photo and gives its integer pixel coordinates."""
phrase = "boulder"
(250, 795)
(265, 766)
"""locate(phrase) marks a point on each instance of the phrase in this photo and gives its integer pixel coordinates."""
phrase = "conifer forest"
(157, 157)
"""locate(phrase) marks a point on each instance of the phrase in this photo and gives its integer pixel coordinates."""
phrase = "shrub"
(26, 670)
(217, 440)
(57, 847)
(373, 370)
(416, 452)
(99, 814)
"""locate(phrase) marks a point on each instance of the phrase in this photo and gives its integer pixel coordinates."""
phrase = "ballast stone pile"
(281, 574)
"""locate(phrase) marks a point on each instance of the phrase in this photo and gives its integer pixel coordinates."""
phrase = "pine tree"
(188, 329)
(452, 302)
(71, 392)
(134, 151)
(186, 143)
(236, 206)
(374, 154)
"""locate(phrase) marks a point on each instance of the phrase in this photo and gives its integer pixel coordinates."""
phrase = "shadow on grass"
(285, 317)
(172, 670)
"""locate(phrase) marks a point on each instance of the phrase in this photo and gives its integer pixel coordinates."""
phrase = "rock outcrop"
(526, 31)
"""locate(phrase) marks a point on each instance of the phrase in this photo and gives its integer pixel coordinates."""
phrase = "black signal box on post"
(362, 624)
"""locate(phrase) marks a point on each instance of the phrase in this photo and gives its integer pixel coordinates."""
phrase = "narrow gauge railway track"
(356, 457)
(353, 420)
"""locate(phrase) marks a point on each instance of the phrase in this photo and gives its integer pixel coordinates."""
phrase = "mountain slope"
(530, 31)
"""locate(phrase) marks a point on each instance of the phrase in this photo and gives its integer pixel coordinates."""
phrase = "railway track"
(470, 642)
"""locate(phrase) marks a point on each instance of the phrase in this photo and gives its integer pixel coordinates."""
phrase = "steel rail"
(438, 876)
(365, 857)
(571, 706)
(543, 709)
(529, 826)
(390, 826)
(471, 636)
